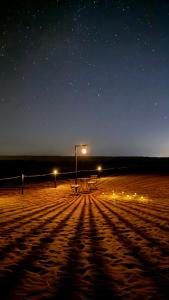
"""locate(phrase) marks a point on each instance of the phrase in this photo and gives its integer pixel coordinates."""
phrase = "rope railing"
(67, 173)
(107, 169)
(63, 173)
(10, 178)
(118, 168)
(38, 175)
(23, 176)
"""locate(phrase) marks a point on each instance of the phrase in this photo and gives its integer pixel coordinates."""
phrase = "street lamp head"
(84, 150)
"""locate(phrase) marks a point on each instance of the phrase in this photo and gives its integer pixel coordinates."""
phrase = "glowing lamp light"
(84, 151)
(55, 172)
(99, 168)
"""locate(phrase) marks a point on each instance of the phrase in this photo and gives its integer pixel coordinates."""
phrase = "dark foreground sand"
(112, 243)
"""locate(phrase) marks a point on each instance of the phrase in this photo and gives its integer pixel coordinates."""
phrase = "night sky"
(93, 72)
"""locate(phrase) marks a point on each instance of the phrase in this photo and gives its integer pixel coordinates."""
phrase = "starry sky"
(93, 71)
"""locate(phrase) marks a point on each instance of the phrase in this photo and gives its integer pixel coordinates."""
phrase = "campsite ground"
(110, 243)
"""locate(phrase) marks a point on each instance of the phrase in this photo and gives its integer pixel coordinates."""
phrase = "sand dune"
(111, 243)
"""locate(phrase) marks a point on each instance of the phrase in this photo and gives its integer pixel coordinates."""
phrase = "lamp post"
(83, 148)
(55, 172)
(22, 182)
(99, 169)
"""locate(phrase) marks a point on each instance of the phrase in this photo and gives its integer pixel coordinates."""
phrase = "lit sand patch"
(111, 243)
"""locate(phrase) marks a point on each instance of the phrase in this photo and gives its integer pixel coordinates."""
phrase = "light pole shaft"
(55, 180)
(76, 156)
(76, 164)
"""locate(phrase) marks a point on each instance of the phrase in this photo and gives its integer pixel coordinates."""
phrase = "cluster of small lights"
(134, 196)
(125, 197)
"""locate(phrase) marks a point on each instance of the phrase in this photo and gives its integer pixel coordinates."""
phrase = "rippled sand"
(111, 243)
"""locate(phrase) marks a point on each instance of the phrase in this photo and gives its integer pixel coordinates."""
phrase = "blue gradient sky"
(92, 72)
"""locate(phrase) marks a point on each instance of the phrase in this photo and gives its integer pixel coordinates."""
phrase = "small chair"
(75, 188)
(92, 183)
(94, 177)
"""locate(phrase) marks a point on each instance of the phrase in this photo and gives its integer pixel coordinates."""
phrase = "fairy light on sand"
(143, 199)
(114, 195)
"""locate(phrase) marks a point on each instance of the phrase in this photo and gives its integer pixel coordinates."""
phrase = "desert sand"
(110, 243)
